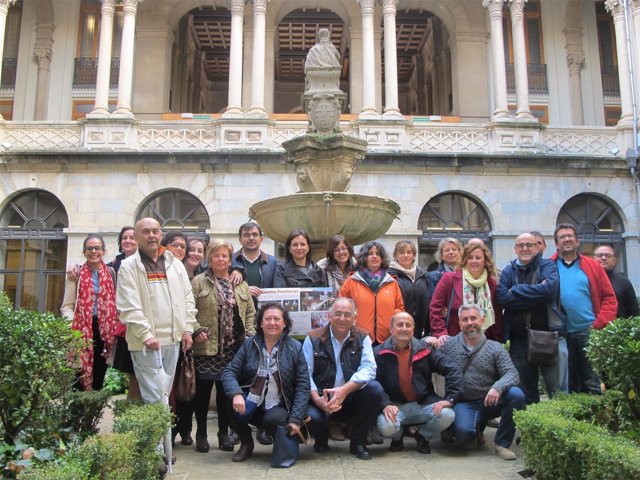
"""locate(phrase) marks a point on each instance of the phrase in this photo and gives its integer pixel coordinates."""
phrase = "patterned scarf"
(83, 316)
(226, 301)
(476, 290)
(373, 279)
(268, 367)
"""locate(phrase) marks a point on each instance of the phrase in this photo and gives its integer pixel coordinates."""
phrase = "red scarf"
(83, 316)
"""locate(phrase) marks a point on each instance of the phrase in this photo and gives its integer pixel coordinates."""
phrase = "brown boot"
(244, 452)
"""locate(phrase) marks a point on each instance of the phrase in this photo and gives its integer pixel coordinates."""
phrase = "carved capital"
(367, 6)
(260, 6)
(108, 7)
(614, 7)
(517, 6)
(389, 7)
(492, 5)
(236, 7)
(575, 61)
(43, 55)
(130, 7)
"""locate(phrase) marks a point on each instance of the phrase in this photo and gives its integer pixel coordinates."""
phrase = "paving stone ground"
(444, 462)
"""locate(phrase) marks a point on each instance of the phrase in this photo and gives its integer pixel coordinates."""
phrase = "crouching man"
(490, 384)
(343, 371)
(404, 368)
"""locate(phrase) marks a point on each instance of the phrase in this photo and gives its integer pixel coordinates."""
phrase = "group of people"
(405, 351)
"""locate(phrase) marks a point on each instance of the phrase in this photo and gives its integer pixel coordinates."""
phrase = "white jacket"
(134, 303)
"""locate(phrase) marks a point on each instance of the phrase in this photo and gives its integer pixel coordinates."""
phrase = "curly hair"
(272, 306)
(361, 259)
(489, 264)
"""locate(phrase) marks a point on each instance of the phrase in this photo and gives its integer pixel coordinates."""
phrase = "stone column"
(635, 16)
(575, 61)
(4, 9)
(391, 110)
(520, 60)
(368, 61)
(234, 104)
(616, 8)
(258, 60)
(501, 108)
(43, 56)
(101, 107)
(125, 81)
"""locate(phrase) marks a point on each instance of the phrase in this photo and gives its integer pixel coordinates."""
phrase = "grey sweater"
(490, 368)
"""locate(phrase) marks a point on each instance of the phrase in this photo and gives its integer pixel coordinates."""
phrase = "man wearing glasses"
(258, 266)
(622, 287)
(528, 291)
(342, 371)
(588, 300)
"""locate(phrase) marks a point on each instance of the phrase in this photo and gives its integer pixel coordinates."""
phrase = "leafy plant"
(34, 365)
(147, 423)
(614, 352)
(115, 381)
(5, 301)
(110, 456)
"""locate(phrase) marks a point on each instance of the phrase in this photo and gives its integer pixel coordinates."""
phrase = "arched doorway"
(424, 64)
(450, 214)
(597, 221)
(33, 250)
(176, 210)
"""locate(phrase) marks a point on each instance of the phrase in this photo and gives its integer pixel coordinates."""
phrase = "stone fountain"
(324, 159)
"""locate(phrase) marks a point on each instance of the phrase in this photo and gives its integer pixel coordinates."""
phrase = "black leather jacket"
(424, 362)
(294, 387)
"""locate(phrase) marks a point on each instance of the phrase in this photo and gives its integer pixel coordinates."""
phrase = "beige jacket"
(134, 303)
(207, 316)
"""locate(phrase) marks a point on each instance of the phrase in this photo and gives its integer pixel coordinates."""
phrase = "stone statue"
(323, 54)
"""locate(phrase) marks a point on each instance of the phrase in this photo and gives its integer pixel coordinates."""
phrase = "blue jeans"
(552, 375)
(582, 378)
(471, 417)
(413, 413)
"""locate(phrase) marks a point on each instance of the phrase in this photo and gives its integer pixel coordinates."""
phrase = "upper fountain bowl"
(359, 218)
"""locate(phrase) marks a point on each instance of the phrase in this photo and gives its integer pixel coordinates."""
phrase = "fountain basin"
(360, 218)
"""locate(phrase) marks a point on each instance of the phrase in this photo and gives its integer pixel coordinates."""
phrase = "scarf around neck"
(373, 280)
(226, 300)
(83, 316)
(476, 290)
(409, 272)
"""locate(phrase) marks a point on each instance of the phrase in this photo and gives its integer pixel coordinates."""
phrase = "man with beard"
(490, 384)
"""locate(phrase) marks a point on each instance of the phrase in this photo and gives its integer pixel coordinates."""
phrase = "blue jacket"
(541, 298)
(267, 268)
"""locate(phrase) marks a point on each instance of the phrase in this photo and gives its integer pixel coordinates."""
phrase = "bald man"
(156, 304)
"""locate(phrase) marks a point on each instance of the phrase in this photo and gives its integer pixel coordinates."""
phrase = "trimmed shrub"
(82, 411)
(614, 352)
(561, 440)
(110, 456)
(147, 423)
(34, 366)
(66, 469)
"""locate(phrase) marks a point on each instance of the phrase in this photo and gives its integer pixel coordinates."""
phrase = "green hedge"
(563, 439)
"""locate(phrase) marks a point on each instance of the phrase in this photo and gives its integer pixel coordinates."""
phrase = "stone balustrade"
(413, 136)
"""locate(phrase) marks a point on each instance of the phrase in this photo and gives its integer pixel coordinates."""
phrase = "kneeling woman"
(275, 381)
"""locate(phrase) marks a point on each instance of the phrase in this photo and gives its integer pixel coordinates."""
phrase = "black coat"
(424, 362)
(416, 297)
(626, 295)
(295, 388)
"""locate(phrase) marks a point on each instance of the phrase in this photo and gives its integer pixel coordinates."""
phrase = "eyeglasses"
(520, 246)
(346, 315)
(603, 255)
(92, 249)
(250, 235)
(340, 249)
(181, 246)
(566, 236)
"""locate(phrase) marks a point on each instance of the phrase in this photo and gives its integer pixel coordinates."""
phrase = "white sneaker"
(504, 453)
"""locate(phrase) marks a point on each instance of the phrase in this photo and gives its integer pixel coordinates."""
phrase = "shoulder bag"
(186, 381)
